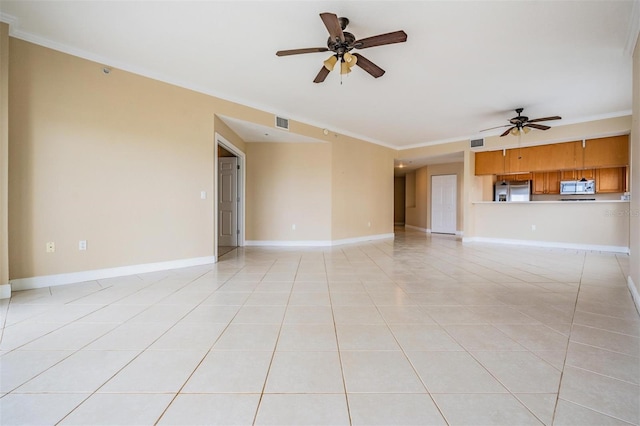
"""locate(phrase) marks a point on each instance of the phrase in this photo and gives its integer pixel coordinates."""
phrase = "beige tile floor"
(416, 331)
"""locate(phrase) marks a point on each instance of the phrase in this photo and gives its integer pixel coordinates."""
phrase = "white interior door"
(228, 201)
(443, 204)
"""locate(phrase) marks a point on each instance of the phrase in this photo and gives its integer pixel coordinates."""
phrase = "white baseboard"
(5, 291)
(417, 228)
(428, 231)
(550, 244)
(97, 274)
(317, 243)
(281, 243)
(363, 239)
(634, 293)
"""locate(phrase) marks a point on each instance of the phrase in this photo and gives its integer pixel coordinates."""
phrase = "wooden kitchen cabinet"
(559, 156)
(490, 163)
(605, 152)
(520, 159)
(542, 158)
(611, 179)
(577, 174)
(569, 157)
(546, 183)
(513, 177)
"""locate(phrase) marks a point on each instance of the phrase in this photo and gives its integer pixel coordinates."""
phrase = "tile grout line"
(139, 353)
(275, 345)
(395, 338)
(566, 353)
(335, 333)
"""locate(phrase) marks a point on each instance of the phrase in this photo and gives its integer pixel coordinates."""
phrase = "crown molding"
(633, 30)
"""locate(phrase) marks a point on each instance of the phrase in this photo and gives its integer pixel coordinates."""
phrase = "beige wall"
(595, 224)
(361, 189)
(231, 136)
(288, 184)
(4, 155)
(417, 186)
(120, 160)
(635, 174)
(399, 189)
(419, 215)
(448, 169)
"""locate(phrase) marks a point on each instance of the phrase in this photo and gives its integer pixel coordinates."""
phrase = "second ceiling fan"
(521, 123)
(341, 43)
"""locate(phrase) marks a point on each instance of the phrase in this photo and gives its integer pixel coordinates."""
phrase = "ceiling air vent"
(477, 143)
(282, 123)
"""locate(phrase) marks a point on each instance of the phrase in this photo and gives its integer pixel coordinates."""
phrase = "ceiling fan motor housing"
(341, 47)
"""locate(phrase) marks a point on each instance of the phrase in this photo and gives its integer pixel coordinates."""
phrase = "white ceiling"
(465, 66)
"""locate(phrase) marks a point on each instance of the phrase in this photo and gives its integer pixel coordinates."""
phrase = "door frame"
(221, 141)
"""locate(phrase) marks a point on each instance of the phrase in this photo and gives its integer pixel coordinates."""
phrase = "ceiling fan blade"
(555, 117)
(324, 72)
(537, 126)
(369, 66)
(497, 127)
(333, 25)
(507, 131)
(382, 39)
(300, 51)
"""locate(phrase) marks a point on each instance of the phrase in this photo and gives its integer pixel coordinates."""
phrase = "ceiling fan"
(341, 43)
(522, 123)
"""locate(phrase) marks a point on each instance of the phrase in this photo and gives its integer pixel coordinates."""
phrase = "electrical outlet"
(203, 195)
(293, 227)
(369, 224)
(533, 227)
(82, 245)
(51, 247)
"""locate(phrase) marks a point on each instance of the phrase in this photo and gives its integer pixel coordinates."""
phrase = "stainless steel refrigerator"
(513, 191)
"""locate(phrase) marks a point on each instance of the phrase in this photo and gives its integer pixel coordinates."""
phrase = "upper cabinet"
(558, 156)
(606, 152)
(598, 153)
(490, 163)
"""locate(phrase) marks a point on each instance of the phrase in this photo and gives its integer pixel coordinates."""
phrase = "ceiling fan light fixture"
(330, 62)
(350, 59)
(345, 68)
(526, 130)
(515, 131)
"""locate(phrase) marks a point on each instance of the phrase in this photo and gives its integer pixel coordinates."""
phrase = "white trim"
(317, 243)
(9, 19)
(363, 239)
(597, 117)
(416, 228)
(279, 243)
(15, 32)
(549, 244)
(633, 30)
(5, 291)
(97, 274)
(634, 293)
(242, 178)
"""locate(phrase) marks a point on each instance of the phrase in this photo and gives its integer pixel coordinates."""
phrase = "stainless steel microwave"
(577, 187)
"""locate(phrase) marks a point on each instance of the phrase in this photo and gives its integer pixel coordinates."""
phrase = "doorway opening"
(229, 188)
